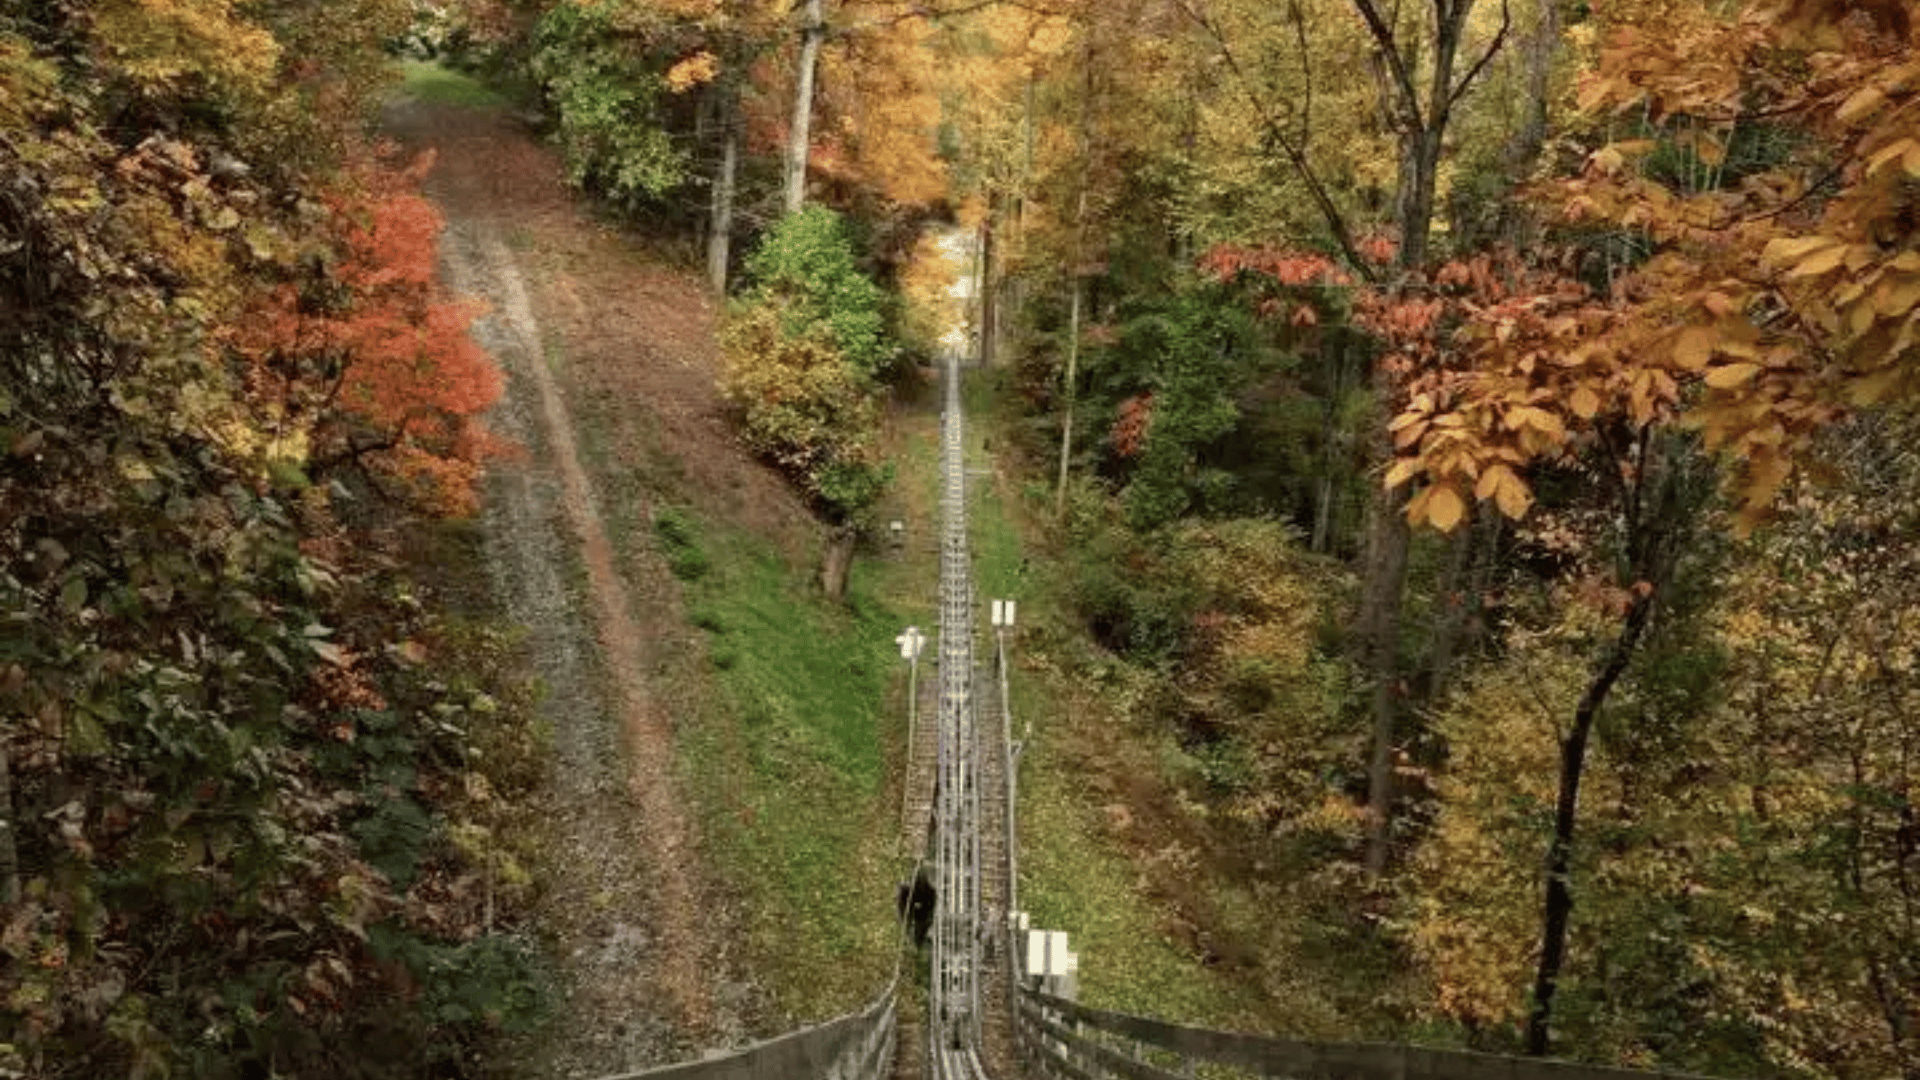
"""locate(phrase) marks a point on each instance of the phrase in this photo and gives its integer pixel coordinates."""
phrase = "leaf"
(1403, 470)
(1490, 481)
(1538, 419)
(1731, 375)
(73, 595)
(1785, 250)
(1513, 497)
(1861, 103)
(1694, 347)
(1819, 262)
(1890, 152)
(1445, 508)
(1872, 389)
(1584, 403)
(328, 651)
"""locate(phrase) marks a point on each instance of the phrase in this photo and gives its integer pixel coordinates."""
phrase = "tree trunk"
(1416, 224)
(798, 133)
(837, 560)
(9, 844)
(1026, 167)
(1537, 56)
(720, 234)
(1079, 256)
(1334, 452)
(1421, 128)
(1323, 516)
(989, 311)
(1073, 378)
(1573, 759)
(1387, 541)
(1899, 1026)
(1460, 587)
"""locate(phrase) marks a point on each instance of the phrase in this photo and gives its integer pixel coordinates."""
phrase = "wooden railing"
(1064, 1040)
(858, 1046)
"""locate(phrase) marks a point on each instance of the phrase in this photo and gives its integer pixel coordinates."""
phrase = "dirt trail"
(625, 912)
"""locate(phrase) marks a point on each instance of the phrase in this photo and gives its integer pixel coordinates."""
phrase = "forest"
(1478, 436)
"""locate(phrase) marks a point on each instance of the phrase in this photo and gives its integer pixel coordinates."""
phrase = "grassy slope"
(794, 753)
(799, 776)
(785, 753)
(1072, 877)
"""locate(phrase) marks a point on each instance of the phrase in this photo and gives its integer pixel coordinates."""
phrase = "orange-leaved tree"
(1770, 183)
(1770, 307)
(373, 355)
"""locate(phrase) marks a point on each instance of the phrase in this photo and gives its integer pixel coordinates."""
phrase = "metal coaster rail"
(955, 1020)
(999, 1019)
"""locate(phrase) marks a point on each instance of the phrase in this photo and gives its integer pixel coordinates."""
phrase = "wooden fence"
(858, 1046)
(1064, 1040)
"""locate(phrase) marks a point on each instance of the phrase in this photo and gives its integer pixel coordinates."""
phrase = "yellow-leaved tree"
(1769, 182)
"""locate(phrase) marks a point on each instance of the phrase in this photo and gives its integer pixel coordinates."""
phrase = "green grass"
(438, 85)
(788, 709)
(795, 784)
(1074, 881)
(1071, 877)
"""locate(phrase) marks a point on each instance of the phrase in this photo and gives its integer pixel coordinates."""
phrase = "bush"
(804, 350)
(606, 93)
(802, 407)
(808, 271)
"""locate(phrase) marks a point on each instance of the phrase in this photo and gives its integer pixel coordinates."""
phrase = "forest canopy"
(1476, 440)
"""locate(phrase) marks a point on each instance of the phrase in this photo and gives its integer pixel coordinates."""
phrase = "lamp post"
(1001, 616)
(910, 642)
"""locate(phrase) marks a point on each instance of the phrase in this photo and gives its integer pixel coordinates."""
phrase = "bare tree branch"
(1306, 74)
(1336, 222)
(1499, 39)
(1383, 37)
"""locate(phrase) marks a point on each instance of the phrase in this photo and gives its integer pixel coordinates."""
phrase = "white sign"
(910, 643)
(1047, 955)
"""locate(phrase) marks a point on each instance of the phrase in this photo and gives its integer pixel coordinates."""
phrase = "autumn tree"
(806, 348)
(1772, 304)
(221, 768)
(372, 359)
(1740, 871)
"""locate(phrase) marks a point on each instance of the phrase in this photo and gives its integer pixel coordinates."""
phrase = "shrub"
(606, 94)
(807, 270)
(805, 409)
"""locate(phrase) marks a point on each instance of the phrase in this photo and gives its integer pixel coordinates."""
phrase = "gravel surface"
(632, 933)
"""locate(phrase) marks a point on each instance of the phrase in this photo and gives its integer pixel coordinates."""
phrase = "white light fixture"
(910, 643)
(1002, 613)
